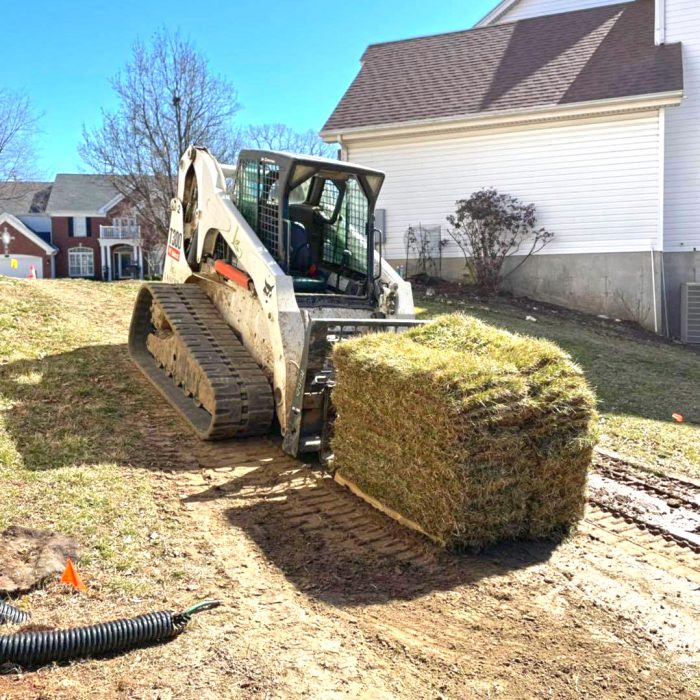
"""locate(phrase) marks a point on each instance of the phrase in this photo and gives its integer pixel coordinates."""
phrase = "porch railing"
(120, 232)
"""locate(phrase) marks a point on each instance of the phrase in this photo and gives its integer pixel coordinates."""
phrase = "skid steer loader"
(268, 264)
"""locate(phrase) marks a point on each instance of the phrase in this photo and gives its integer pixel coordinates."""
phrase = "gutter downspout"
(653, 291)
(662, 215)
(343, 149)
(664, 296)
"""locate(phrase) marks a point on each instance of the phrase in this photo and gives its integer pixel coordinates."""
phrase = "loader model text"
(174, 244)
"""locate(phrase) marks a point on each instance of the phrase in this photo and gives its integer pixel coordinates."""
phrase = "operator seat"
(304, 270)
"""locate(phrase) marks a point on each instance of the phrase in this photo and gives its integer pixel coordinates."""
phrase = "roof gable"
(496, 12)
(590, 55)
(512, 10)
(17, 225)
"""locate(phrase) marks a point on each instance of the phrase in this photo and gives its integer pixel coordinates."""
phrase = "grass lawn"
(640, 381)
(70, 407)
(88, 449)
(69, 411)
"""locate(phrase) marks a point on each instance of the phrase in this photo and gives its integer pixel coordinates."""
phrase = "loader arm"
(266, 316)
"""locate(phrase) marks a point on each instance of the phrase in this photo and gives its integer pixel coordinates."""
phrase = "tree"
(18, 130)
(280, 137)
(168, 99)
(488, 227)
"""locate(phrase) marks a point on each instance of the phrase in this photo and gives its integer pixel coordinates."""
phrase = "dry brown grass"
(474, 433)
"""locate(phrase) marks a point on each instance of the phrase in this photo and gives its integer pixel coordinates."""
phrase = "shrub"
(488, 227)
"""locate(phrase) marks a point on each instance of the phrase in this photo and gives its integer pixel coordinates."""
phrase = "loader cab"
(315, 216)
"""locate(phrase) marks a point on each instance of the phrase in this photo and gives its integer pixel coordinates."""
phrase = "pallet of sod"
(473, 434)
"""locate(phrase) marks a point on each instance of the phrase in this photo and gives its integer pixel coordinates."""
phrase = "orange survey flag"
(72, 577)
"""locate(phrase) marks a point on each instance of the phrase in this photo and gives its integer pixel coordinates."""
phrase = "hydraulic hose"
(32, 649)
(9, 615)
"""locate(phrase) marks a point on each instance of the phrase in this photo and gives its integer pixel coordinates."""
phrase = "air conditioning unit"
(690, 312)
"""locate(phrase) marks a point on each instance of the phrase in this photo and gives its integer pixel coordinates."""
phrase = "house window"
(79, 227)
(127, 224)
(81, 262)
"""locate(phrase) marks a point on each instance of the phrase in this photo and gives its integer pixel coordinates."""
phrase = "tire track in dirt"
(524, 616)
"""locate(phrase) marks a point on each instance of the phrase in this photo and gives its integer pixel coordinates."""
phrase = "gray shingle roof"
(596, 54)
(24, 197)
(81, 193)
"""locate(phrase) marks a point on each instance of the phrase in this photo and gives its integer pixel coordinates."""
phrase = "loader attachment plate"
(310, 424)
(182, 344)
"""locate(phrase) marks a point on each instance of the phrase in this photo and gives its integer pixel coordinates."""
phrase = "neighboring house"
(25, 230)
(588, 109)
(79, 225)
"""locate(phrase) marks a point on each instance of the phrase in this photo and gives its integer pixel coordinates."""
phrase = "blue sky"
(290, 61)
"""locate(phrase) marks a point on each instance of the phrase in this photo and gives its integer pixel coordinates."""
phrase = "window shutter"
(70, 226)
(87, 226)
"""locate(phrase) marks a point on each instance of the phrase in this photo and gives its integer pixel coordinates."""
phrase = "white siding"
(538, 8)
(595, 184)
(682, 167)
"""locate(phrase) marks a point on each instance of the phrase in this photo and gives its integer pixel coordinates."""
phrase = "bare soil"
(327, 598)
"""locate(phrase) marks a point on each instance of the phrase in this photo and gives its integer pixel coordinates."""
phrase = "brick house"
(25, 230)
(77, 226)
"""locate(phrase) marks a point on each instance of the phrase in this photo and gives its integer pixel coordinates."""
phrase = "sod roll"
(475, 434)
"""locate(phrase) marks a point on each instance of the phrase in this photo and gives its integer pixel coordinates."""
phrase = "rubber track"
(242, 395)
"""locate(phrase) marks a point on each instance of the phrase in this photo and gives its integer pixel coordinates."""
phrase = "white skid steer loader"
(259, 281)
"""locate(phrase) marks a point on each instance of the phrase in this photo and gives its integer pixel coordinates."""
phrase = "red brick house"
(77, 226)
(25, 230)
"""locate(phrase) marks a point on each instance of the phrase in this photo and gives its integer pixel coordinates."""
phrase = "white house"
(587, 108)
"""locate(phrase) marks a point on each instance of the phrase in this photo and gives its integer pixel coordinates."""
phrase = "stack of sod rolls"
(474, 434)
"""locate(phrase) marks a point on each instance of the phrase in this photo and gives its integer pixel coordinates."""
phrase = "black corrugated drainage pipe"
(10, 615)
(35, 648)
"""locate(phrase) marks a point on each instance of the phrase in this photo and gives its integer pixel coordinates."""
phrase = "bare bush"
(488, 227)
(424, 245)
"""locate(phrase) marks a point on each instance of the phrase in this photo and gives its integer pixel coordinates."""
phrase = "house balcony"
(121, 233)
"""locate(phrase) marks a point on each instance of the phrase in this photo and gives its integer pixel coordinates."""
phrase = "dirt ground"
(326, 598)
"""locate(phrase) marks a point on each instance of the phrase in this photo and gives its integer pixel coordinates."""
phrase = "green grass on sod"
(473, 433)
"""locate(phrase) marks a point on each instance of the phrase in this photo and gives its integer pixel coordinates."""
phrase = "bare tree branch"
(18, 131)
(280, 137)
(168, 99)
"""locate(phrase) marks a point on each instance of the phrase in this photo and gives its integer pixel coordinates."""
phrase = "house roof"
(24, 197)
(583, 56)
(82, 193)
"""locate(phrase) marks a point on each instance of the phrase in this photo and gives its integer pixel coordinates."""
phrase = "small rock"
(531, 318)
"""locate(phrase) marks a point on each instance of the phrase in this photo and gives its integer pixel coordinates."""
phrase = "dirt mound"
(27, 557)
